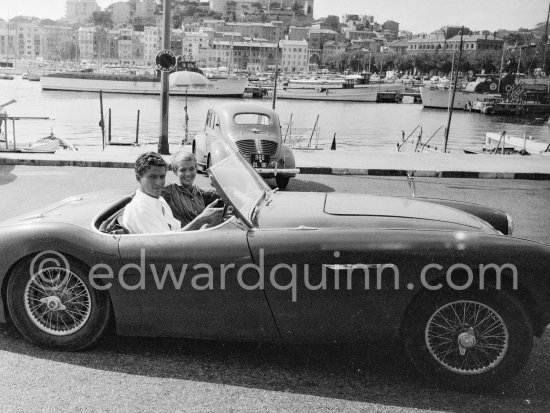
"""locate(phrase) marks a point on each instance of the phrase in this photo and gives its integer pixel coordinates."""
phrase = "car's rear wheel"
(469, 339)
(282, 181)
(53, 304)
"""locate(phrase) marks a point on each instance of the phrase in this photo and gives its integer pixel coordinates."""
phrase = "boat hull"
(335, 95)
(139, 86)
(441, 98)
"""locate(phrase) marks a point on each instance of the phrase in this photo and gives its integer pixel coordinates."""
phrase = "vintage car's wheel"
(282, 181)
(54, 305)
(468, 340)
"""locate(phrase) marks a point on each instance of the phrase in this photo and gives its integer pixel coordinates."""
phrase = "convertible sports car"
(448, 278)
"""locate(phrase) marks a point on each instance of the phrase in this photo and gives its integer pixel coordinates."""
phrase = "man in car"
(148, 212)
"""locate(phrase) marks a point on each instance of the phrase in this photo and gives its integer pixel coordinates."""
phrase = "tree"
(102, 18)
(333, 23)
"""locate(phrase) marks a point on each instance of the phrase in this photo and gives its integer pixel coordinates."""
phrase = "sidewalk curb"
(312, 170)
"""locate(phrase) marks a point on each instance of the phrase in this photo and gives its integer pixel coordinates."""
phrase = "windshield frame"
(244, 214)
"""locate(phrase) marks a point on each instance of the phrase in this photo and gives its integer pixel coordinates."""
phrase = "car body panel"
(364, 310)
(218, 309)
(332, 210)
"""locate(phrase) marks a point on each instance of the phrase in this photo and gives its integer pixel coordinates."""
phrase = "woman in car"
(187, 200)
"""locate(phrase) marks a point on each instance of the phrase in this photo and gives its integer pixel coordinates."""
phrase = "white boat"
(143, 85)
(341, 94)
(48, 144)
(500, 143)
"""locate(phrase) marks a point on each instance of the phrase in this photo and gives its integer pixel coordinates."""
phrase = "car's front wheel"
(53, 304)
(470, 339)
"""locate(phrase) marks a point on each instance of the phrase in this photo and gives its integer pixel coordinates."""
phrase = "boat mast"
(454, 91)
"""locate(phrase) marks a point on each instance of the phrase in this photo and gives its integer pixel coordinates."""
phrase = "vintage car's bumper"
(272, 172)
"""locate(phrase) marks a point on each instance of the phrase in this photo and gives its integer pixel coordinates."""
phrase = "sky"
(413, 15)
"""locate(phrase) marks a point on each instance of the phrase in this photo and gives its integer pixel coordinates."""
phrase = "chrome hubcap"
(57, 301)
(467, 337)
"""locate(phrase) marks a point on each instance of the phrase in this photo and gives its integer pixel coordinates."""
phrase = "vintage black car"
(252, 130)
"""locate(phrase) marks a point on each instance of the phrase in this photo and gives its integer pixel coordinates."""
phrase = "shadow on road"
(375, 373)
(6, 176)
(302, 185)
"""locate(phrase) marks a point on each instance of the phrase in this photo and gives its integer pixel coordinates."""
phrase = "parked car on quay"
(252, 130)
(446, 277)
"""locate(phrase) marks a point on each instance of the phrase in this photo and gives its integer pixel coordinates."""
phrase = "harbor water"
(75, 117)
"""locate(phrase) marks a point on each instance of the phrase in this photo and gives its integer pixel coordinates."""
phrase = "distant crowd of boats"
(485, 94)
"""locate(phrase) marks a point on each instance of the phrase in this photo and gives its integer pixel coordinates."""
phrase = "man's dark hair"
(146, 160)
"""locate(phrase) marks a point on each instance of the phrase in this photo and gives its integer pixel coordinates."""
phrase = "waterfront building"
(7, 41)
(125, 46)
(58, 43)
(399, 46)
(294, 56)
(86, 42)
(437, 41)
(476, 42)
(79, 11)
(317, 37)
(247, 54)
(426, 43)
(196, 45)
(272, 32)
(152, 44)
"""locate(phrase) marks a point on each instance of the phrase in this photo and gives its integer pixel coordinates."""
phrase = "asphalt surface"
(136, 374)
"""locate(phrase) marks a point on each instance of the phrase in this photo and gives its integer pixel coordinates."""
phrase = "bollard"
(109, 135)
(333, 146)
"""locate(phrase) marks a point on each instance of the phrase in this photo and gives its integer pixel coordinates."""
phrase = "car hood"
(318, 210)
(77, 210)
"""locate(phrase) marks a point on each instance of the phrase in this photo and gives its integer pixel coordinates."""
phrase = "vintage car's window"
(238, 181)
(252, 119)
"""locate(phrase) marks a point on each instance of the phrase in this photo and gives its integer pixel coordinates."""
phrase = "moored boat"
(483, 89)
(145, 84)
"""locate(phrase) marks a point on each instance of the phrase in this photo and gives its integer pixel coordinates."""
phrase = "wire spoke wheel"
(467, 337)
(57, 301)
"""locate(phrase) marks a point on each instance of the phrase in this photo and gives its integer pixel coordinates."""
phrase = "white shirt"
(148, 215)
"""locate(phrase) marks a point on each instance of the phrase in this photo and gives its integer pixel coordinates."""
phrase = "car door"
(203, 299)
(323, 302)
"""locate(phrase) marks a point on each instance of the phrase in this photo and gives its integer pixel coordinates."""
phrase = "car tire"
(57, 308)
(492, 350)
(282, 181)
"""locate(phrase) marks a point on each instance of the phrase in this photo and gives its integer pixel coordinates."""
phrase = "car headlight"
(510, 224)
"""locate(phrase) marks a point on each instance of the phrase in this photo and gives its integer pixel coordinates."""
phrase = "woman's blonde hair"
(180, 157)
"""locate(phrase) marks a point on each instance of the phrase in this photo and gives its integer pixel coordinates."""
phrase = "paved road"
(129, 374)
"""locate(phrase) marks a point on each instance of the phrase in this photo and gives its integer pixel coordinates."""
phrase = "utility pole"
(163, 147)
(545, 40)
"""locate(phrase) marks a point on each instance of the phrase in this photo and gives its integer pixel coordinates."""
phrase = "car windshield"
(240, 183)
